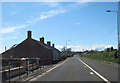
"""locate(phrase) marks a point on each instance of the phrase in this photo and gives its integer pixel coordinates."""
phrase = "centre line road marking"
(39, 76)
(103, 78)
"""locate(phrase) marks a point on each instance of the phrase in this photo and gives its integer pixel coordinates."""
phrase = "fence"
(16, 67)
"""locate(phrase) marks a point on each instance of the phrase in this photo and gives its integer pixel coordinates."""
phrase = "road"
(80, 69)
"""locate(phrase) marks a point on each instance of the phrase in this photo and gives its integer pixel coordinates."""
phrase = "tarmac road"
(80, 69)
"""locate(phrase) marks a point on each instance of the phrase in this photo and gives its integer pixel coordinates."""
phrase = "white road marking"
(91, 72)
(103, 78)
(48, 71)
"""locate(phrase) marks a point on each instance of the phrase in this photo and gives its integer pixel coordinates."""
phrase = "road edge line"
(39, 76)
(99, 75)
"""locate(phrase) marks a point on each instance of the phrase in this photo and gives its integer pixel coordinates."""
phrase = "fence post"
(38, 66)
(32, 66)
(37, 63)
(9, 71)
(19, 71)
(27, 67)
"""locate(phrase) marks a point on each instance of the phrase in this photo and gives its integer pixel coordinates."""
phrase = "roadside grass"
(104, 56)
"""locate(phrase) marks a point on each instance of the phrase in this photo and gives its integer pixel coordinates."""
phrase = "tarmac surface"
(77, 68)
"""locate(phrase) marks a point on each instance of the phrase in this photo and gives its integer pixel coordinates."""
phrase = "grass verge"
(104, 56)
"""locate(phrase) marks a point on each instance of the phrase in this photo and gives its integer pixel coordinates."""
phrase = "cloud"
(83, 48)
(59, 46)
(77, 23)
(52, 4)
(74, 48)
(45, 15)
(12, 13)
(56, 9)
(11, 29)
(102, 47)
(14, 37)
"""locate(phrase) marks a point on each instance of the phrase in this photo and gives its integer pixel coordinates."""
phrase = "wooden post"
(32, 67)
(38, 66)
(27, 67)
(9, 71)
(19, 71)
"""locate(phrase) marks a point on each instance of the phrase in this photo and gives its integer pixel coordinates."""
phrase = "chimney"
(42, 39)
(53, 45)
(29, 34)
(48, 43)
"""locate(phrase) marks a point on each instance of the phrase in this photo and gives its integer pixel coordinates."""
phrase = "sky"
(86, 25)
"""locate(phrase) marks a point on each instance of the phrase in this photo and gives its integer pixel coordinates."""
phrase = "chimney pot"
(42, 39)
(29, 34)
(53, 45)
(48, 43)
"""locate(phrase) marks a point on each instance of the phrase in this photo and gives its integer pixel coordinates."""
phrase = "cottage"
(31, 48)
(56, 52)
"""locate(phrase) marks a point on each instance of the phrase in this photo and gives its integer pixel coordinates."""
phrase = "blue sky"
(86, 24)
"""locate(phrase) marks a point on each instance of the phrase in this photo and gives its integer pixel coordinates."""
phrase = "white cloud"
(59, 9)
(14, 37)
(12, 29)
(102, 47)
(74, 48)
(52, 4)
(83, 48)
(45, 15)
(12, 13)
(59, 46)
(77, 23)
(42, 17)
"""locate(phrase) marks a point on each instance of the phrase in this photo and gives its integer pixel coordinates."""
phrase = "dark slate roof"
(40, 43)
(52, 48)
(36, 41)
(13, 46)
(46, 46)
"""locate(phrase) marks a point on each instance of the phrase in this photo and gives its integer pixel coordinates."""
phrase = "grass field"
(104, 56)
